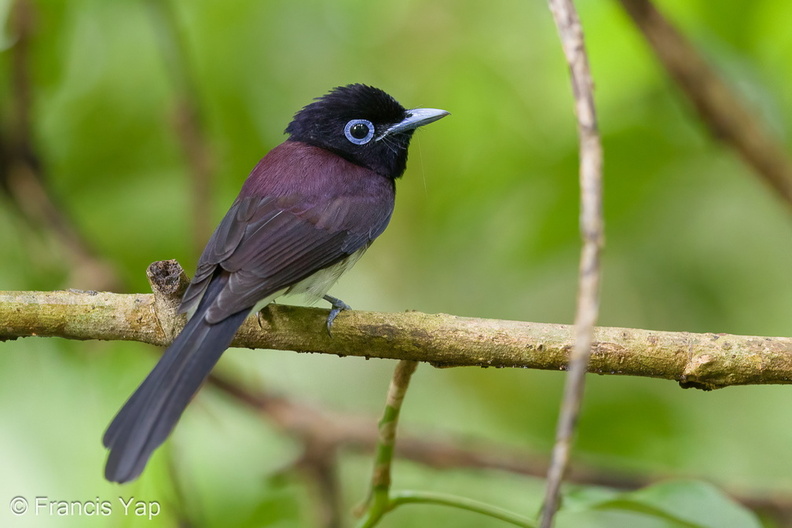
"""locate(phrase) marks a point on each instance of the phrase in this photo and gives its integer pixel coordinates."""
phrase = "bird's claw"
(338, 307)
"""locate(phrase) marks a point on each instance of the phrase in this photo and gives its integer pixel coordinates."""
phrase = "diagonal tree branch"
(705, 361)
(720, 108)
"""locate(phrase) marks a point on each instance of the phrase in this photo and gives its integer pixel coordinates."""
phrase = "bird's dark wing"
(262, 246)
(268, 244)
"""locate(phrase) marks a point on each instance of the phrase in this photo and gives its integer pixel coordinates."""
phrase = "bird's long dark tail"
(148, 417)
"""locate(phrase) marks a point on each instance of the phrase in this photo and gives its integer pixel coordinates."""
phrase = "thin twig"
(721, 109)
(378, 501)
(463, 503)
(591, 225)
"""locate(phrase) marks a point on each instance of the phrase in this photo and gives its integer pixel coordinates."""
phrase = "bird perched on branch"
(305, 214)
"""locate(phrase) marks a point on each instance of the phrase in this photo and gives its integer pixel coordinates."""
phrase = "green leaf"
(685, 503)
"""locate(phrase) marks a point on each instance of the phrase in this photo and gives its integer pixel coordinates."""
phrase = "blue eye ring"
(359, 131)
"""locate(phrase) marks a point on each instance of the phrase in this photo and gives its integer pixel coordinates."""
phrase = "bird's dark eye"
(359, 131)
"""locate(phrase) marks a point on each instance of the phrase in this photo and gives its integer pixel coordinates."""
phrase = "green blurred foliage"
(485, 225)
(668, 504)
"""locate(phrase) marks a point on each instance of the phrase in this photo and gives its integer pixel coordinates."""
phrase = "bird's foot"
(260, 315)
(338, 307)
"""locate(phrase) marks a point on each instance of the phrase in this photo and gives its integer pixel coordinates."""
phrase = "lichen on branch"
(707, 361)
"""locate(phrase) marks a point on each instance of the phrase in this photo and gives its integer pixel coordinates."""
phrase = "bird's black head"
(364, 125)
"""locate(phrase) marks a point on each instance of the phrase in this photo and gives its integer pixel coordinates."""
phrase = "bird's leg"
(338, 307)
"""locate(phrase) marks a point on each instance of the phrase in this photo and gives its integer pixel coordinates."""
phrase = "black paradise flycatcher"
(305, 214)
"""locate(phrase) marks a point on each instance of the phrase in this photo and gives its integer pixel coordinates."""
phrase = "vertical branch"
(188, 123)
(591, 225)
(378, 501)
(22, 175)
(718, 106)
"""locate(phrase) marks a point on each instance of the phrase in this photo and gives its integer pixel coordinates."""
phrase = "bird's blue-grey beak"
(416, 117)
